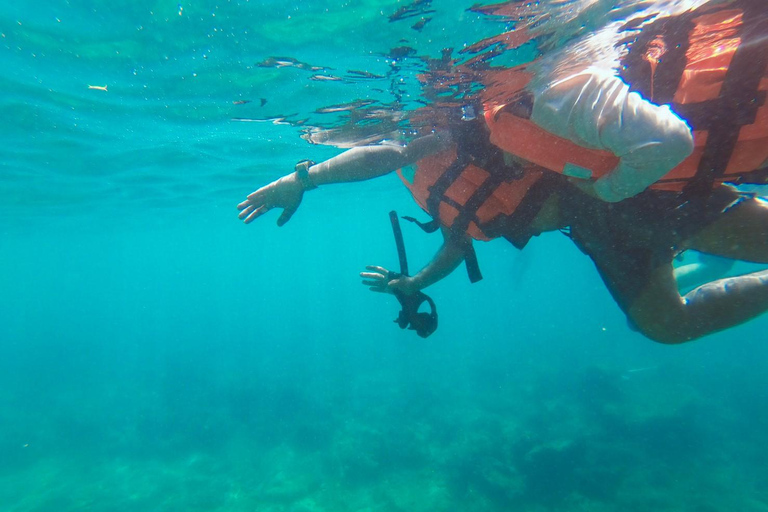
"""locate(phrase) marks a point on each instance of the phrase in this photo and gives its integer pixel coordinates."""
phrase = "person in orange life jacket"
(633, 242)
(694, 116)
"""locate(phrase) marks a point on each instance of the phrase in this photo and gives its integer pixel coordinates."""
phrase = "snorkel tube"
(409, 318)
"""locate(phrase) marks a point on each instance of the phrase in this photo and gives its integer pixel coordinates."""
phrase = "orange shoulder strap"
(523, 138)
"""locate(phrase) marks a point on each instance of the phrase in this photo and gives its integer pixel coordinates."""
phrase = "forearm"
(448, 257)
(364, 163)
(354, 165)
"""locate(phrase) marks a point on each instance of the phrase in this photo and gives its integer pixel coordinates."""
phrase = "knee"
(669, 331)
(668, 336)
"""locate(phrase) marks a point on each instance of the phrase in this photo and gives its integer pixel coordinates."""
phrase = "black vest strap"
(440, 187)
(474, 146)
(473, 267)
(738, 103)
(739, 98)
(470, 257)
(469, 212)
(516, 228)
(427, 227)
(471, 146)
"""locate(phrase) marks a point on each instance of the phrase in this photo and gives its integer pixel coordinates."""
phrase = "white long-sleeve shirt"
(595, 109)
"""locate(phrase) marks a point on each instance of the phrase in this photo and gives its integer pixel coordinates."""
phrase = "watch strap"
(302, 173)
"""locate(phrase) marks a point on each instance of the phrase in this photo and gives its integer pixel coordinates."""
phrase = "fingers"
(254, 206)
(249, 213)
(378, 274)
(255, 214)
(377, 280)
(376, 286)
(259, 197)
(245, 210)
(250, 210)
(285, 216)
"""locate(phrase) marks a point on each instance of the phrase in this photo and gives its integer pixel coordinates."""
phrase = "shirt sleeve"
(595, 109)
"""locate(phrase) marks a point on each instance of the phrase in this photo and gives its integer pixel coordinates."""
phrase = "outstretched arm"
(448, 257)
(356, 164)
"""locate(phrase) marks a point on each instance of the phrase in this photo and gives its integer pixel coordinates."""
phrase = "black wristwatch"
(302, 173)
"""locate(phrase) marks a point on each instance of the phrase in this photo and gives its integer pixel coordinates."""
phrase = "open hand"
(285, 193)
(378, 280)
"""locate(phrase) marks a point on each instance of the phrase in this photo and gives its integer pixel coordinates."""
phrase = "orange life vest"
(709, 65)
(470, 189)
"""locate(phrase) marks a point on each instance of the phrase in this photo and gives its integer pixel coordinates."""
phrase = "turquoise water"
(158, 355)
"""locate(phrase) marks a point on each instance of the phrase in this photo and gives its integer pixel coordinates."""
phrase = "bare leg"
(708, 268)
(662, 314)
(741, 234)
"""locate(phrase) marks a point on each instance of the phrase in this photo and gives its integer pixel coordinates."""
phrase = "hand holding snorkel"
(379, 279)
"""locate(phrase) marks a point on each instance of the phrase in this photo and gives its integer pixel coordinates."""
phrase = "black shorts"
(628, 240)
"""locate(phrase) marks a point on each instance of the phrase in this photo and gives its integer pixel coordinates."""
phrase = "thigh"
(740, 232)
(626, 247)
(658, 310)
(626, 272)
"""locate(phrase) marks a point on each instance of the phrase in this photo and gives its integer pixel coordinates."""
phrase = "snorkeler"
(602, 147)
(633, 253)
